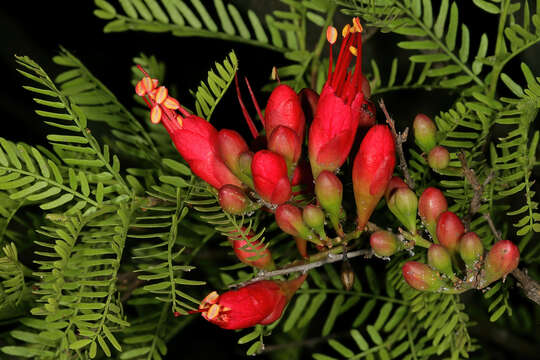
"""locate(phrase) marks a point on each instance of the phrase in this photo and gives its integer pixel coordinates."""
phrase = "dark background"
(37, 28)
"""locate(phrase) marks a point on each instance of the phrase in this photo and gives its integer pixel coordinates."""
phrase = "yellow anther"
(139, 88)
(274, 74)
(171, 103)
(180, 120)
(346, 30)
(161, 94)
(213, 297)
(331, 34)
(155, 114)
(353, 50)
(356, 25)
(213, 311)
(149, 84)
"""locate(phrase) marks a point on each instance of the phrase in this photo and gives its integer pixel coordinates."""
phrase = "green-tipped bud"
(395, 183)
(438, 158)
(314, 218)
(439, 258)
(289, 219)
(421, 277)
(403, 203)
(425, 132)
(329, 192)
(233, 200)
(384, 243)
(471, 249)
(502, 259)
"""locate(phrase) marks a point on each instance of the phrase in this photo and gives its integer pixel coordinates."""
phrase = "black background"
(37, 28)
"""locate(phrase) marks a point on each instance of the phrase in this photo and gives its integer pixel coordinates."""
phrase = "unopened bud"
(285, 142)
(439, 258)
(438, 158)
(289, 219)
(384, 243)
(329, 192)
(449, 230)
(421, 277)
(314, 218)
(403, 203)
(252, 253)
(471, 248)
(502, 259)
(395, 183)
(431, 204)
(233, 200)
(425, 132)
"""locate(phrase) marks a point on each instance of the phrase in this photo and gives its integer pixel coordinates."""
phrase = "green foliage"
(119, 255)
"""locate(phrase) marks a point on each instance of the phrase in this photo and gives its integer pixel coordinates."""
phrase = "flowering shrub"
(331, 229)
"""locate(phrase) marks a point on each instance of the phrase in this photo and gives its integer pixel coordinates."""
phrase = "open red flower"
(342, 105)
(261, 303)
(194, 138)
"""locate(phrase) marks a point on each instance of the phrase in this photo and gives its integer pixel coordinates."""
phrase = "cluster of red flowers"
(245, 178)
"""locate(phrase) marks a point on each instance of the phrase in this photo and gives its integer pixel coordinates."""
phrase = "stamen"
(356, 25)
(148, 84)
(171, 103)
(213, 312)
(346, 30)
(211, 298)
(275, 75)
(254, 100)
(353, 50)
(155, 114)
(142, 70)
(161, 94)
(331, 34)
(180, 120)
(139, 88)
(250, 123)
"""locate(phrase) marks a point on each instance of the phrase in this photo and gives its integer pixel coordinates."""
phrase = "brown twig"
(399, 139)
(530, 287)
(330, 258)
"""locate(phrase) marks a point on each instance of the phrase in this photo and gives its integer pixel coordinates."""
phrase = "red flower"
(342, 105)
(259, 303)
(284, 109)
(372, 170)
(269, 172)
(194, 138)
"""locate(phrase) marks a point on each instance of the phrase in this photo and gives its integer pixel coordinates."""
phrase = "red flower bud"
(261, 303)
(431, 204)
(471, 248)
(424, 132)
(502, 259)
(289, 219)
(252, 253)
(372, 170)
(439, 258)
(329, 192)
(421, 277)
(269, 172)
(438, 158)
(301, 246)
(449, 230)
(384, 243)
(403, 203)
(233, 199)
(285, 142)
(395, 183)
(284, 109)
(230, 146)
(194, 138)
(196, 141)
